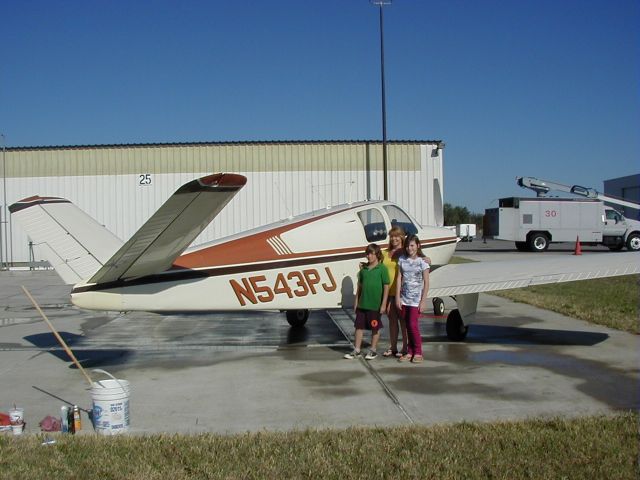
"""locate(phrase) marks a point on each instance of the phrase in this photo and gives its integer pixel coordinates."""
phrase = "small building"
(627, 188)
(121, 186)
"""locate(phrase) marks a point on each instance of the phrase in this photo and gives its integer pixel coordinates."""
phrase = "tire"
(522, 246)
(538, 242)
(297, 318)
(633, 242)
(456, 329)
(438, 307)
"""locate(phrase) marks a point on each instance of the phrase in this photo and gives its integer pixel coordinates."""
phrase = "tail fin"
(75, 244)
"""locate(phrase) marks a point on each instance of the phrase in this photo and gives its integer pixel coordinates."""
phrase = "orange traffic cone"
(578, 250)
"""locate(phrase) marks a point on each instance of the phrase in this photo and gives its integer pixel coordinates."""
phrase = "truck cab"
(619, 231)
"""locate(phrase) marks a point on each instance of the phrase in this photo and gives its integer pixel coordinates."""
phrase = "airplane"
(309, 261)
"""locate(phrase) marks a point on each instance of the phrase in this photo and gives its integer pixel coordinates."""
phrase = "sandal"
(404, 358)
(389, 353)
(417, 359)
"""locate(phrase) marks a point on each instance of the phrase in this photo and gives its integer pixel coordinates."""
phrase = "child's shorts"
(368, 320)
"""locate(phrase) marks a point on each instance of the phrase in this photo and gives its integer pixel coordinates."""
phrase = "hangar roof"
(249, 142)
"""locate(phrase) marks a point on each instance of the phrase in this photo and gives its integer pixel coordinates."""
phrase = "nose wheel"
(438, 307)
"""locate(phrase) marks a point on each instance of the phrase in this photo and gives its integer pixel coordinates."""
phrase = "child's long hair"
(413, 238)
(395, 232)
(373, 248)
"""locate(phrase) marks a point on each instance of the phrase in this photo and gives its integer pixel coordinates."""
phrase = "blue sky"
(549, 89)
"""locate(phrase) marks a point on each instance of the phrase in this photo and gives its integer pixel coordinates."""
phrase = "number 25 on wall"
(144, 179)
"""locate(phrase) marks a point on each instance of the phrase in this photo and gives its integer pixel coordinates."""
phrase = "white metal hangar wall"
(121, 186)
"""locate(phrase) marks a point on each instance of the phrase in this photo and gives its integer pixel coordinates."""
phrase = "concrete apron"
(236, 372)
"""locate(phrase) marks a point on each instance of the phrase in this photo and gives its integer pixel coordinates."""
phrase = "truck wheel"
(633, 242)
(522, 246)
(538, 242)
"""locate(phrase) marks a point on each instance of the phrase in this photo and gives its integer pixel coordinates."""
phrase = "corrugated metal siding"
(175, 159)
(284, 179)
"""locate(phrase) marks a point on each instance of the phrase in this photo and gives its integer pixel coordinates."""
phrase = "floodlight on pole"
(380, 4)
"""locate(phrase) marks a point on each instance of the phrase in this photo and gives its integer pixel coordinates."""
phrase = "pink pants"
(414, 340)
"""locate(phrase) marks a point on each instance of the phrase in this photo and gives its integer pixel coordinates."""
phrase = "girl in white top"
(412, 286)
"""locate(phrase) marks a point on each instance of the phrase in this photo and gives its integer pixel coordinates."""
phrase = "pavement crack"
(333, 314)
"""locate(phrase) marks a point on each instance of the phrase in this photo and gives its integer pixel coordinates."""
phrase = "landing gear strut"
(297, 318)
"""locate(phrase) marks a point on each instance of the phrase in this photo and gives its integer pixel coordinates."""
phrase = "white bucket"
(110, 405)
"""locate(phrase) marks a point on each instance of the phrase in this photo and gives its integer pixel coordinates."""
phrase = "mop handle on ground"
(62, 342)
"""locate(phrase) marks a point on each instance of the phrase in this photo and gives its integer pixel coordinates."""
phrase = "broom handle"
(62, 342)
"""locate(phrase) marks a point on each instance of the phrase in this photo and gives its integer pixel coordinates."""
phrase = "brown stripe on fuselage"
(252, 248)
(314, 258)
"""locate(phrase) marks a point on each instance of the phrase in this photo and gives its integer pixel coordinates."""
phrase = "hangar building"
(121, 186)
(627, 188)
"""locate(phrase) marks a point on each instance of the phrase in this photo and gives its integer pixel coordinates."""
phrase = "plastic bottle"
(77, 421)
(64, 418)
(70, 420)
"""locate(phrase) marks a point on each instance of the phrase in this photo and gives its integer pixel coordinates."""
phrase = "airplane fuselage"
(306, 262)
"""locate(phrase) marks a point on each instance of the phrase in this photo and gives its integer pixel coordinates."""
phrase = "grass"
(592, 447)
(455, 259)
(612, 302)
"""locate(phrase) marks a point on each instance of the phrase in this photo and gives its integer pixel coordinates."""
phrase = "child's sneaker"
(371, 355)
(352, 355)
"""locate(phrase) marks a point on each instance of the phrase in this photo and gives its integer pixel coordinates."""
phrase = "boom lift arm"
(542, 187)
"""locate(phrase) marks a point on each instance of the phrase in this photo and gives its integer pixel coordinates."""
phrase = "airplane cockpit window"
(373, 223)
(400, 219)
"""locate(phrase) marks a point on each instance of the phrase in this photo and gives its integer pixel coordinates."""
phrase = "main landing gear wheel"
(438, 307)
(297, 318)
(456, 329)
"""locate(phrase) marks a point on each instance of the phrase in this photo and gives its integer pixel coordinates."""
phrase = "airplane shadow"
(87, 357)
(511, 335)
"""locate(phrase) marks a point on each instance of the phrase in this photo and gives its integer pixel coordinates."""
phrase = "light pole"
(380, 4)
(3, 224)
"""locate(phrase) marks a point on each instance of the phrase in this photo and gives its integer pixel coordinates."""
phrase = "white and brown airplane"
(305, 262)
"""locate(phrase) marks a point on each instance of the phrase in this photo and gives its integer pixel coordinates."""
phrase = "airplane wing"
(464, 278)
(171, 229)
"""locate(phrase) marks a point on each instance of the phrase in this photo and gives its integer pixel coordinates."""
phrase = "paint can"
(16, 416)
(110, 405)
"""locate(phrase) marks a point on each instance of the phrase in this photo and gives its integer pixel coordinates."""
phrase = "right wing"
(464, 278)
(170, 230)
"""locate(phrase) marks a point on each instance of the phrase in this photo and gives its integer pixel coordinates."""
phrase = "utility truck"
(534, 223)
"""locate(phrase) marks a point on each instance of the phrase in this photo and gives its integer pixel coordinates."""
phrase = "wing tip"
(33, 201)
(223, 180)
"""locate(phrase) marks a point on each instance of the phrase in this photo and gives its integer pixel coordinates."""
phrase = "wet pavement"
(235, 372)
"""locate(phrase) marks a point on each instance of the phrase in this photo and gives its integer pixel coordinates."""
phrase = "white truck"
(534, 223)
(466, 231)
